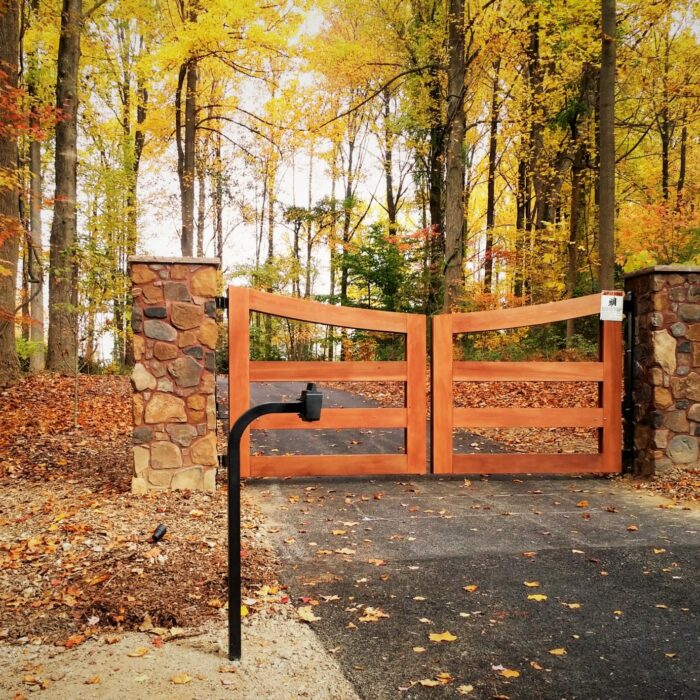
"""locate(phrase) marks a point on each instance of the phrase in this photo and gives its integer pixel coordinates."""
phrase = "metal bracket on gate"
(222, 303)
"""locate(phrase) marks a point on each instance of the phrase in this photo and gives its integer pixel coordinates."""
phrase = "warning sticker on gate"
(611, 305)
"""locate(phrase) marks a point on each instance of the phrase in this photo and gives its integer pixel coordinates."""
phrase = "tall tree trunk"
(578, 202)
(201, 197)
(37, 359)
(63, 330)
(218, 196)
(454, 179)
(187, 78)
(347, 220)
(680, 184)
(606, 179)
(436, 198)
(491, 184)
(388, 163)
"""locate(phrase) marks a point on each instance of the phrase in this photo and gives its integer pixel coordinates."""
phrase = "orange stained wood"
(528, 371)
(528, 417)
(412, 418)
(330, 465)
(336, 419)
(275, 371)
(442, 393)
(516, 463)
(526, 315)
(315, 312)
(611, 395)
(415, 397)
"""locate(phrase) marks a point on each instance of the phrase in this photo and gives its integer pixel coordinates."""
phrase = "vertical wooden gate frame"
(607, 372)
(412, 417)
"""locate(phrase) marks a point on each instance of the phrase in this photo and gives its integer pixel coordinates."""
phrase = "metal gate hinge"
(222, 303)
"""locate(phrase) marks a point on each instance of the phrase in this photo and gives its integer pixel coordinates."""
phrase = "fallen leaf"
(442, 637)
(536, 666)
(529, 555)
(618, 612)
(465, 689)
(181, 679)
(572, 606)
(373, 615)
(532, 584)
(538, 597)
(227, 669)
(93, 680)
(632, 528)
(138, 652)
(74, 641)
(419, 650)
(429, 683)
(471, 588)
(509, 673)
(582, 504)
(339, 532)
(306, 614)
(671, 654)
(560, 651)
(659, 551)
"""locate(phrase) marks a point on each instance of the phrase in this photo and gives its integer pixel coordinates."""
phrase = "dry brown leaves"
(76, 554)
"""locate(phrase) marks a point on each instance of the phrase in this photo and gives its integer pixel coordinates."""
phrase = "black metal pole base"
(309, 408)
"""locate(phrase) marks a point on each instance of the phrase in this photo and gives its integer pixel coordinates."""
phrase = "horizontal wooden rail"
(336, 419)
(278, 371)
(528, 371)
(526, 315)
(329, 465)
(528, 417)
(315, 312)
(512, 463)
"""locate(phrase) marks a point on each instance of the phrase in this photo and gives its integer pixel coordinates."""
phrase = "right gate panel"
(607, 417)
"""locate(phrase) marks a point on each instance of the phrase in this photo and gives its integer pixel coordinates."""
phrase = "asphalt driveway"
(385, 563)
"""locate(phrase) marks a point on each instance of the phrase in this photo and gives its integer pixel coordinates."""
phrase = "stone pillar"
(175, 335)
(667, 367)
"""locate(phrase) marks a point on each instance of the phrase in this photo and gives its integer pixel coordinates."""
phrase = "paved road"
(409, 547)
(359, 441)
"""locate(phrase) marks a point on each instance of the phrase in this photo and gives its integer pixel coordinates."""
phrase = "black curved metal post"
(309, 409)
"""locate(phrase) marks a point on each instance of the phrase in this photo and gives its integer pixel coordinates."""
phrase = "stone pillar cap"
(160, 260)
(664, 269)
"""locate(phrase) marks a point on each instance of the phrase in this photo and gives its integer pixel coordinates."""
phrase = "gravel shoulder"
(282, 658)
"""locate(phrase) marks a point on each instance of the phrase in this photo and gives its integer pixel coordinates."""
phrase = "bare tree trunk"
(201, 197)
(606, 179)
(218, 196)
(37, 359)
(187, 78)
(680, 184)
(491, 185)
(63, 330)
(388, 163)
(436, 199)
(454, 179)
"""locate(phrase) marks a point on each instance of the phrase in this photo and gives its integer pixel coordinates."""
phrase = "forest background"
(413, 155)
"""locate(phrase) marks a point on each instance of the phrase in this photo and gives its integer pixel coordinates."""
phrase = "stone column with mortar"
(667, 367)
(175, 336)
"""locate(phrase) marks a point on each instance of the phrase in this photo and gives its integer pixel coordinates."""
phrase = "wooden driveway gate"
(607, 372)
(412, 417)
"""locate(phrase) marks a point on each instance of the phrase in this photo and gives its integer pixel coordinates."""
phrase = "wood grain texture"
(336, 419)
(442, 394)
(328, 465)
(316, 312)
(517, 463)
(282, 371)
(528, 417)
(415, 397)
(239, 373)
(528, 371)
(611, 395)
(526, 315)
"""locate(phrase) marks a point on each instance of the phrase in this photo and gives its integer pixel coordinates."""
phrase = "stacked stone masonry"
(174, 405)
(667, 368)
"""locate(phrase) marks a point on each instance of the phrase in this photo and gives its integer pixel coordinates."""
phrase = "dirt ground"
(282, 658)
